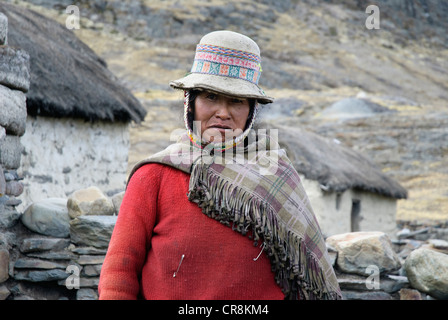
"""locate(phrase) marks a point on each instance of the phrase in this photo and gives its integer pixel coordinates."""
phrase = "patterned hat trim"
(216, 60)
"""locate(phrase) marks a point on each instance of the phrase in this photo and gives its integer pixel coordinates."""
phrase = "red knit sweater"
(156, 226)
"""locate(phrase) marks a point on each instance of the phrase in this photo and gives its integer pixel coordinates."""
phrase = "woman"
(221, 214)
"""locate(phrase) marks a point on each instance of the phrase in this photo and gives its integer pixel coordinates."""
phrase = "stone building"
(77, 129)
(347, 191)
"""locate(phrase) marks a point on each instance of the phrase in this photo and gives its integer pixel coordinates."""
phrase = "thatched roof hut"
(336, 167)
(77, 129)
(347, 191)
(67, 78)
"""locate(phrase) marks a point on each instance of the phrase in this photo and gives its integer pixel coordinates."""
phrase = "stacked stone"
(93, 216)
(370, 266)
(68, 239)
(65, 247)
(14, 83)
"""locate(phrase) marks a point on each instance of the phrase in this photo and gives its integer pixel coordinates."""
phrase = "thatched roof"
(335, 166)
(67, 78)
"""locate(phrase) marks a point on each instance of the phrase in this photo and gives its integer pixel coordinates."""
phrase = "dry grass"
(321, 39)
(428, 198)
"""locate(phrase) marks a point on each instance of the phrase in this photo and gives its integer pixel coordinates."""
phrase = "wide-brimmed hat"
(226, 62)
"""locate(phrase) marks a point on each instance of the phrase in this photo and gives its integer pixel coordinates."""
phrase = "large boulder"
(94, 231)
(90, 201)
(427, 271)
(362, 252)
(48, 217)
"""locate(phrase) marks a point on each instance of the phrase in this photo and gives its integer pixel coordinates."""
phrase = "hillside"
(315, 53)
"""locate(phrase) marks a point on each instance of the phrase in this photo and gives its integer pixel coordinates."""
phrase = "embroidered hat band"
(227, 62)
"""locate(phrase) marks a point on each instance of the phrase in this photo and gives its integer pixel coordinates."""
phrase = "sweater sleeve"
(130, 241)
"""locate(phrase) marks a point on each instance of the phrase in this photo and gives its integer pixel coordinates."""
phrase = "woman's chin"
(219, 135)
(215, 139)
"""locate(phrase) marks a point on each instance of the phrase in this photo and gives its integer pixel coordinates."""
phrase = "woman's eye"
(211, 96)
(237, 101)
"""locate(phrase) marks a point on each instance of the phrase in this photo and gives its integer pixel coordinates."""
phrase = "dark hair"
(190, 115)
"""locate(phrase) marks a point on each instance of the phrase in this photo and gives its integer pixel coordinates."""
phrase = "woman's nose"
(222, 111)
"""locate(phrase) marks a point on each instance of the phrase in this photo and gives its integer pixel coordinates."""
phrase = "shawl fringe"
(296, 270)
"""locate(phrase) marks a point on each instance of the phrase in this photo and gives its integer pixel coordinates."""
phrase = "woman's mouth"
(219, 127)
(222, 129)
(218, 132)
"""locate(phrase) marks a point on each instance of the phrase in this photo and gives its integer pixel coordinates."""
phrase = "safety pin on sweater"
(181, 259)
(261, 251)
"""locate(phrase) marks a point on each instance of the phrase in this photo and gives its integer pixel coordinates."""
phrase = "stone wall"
(57, 247)
(14, 83)
(411, 266)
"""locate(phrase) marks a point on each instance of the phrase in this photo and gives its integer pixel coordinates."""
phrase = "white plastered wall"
(334, 211)
(65, 155)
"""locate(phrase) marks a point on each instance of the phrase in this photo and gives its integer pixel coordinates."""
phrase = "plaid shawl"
(257, 192)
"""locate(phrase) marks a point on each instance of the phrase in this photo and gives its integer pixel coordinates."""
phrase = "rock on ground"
(93, 231)
(427, 271)
(359, 252)
(48, 217)
(90, 201)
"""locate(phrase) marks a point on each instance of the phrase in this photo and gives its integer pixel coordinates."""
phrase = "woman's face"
(221, 117)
